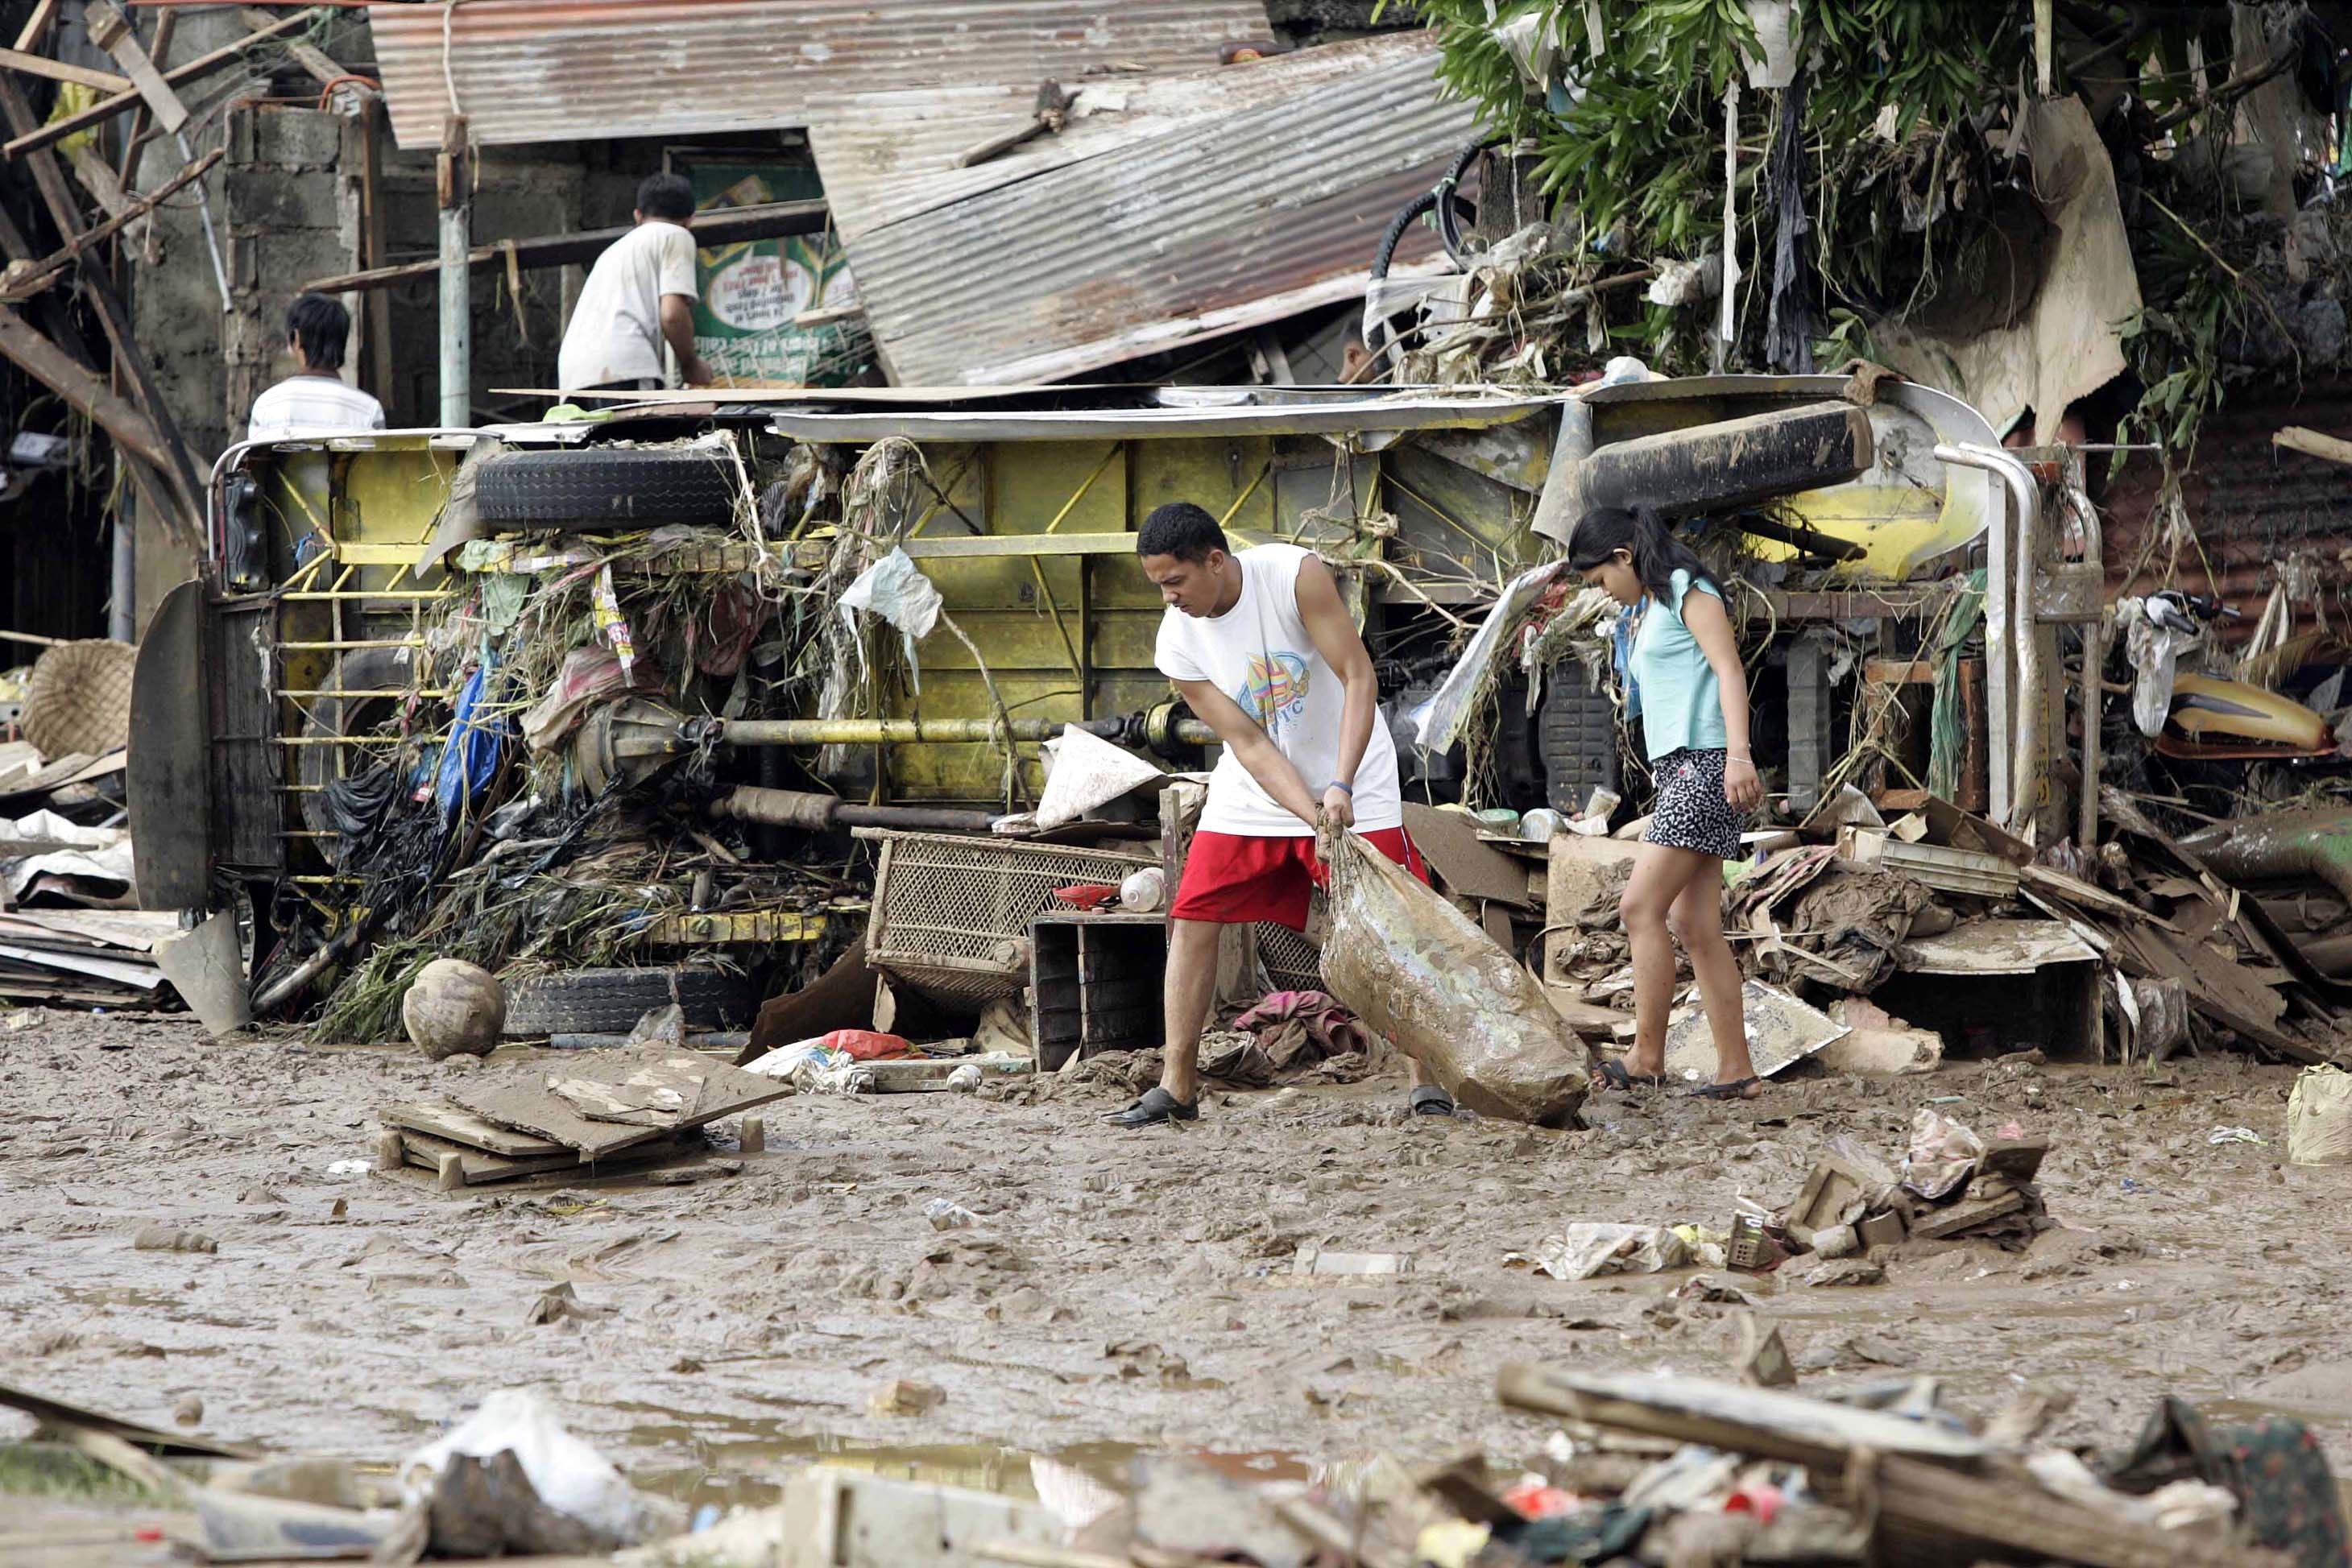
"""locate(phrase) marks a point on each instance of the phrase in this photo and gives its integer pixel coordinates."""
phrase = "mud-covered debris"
(1847, 1272)
(170, 1238)
(906, 1397)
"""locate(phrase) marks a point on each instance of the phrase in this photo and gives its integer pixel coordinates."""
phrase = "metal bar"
(340, 646)
(923, 731)
(339, 691)
(420, 593)
(456, 272)
(1037, 571)
(2000, 649)
(967, 545)
(1071, 505)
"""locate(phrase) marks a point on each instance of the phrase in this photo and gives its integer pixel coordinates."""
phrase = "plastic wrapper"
(1415, 969)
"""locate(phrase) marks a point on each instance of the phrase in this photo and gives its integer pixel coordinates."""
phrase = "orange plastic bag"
(864, 1044)
(1417, 970)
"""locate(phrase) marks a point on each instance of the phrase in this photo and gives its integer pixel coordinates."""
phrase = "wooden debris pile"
(638, 1111)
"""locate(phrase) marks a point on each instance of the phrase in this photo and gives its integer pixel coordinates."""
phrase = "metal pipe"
(456, 289)
(2028, 710)
(925, 731)
(121, 609)
(2094, 698)
(815, 812)
(1999, 738)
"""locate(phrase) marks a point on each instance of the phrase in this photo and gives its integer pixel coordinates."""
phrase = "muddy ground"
(1122, 1289)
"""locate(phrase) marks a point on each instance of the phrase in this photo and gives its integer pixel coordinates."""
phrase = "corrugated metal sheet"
(1225, 200)
(2253, 505)
(557, 71)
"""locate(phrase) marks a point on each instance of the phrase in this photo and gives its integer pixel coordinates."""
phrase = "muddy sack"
(1414, 968)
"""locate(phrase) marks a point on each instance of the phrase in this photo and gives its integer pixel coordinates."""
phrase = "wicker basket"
(951, 913)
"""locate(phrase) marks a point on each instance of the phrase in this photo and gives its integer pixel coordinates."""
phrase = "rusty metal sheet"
(1260, 193)
(170, 850)
(554, 70)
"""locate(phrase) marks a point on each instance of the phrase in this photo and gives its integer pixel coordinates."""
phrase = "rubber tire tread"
(605, 488)
(610, 1001)
(1577, 737)
(356, 670)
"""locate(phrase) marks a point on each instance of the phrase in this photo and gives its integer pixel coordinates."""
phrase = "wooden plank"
(48, 364)
(525, 1102)
(1449, 841)
(106, 109)
(310, 56)
(60, 70)
(661, 1089)
(109, 31)
(425, 1149)
(458, 1126)
(36, 26)
(58, 1413)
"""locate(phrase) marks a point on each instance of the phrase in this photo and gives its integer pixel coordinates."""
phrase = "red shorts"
(1238, 879)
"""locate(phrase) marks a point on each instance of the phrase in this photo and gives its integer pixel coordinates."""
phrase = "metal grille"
(1291, 962)
(951, 915)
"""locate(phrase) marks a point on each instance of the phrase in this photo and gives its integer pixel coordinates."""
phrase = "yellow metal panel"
(1211, 471)
(1032, 483)
(746, 927)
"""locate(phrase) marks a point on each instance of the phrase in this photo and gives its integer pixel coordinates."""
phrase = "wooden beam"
(2311, 443)
(310, 56)
(36, 26)
(56, 130)
(729, 225)
(22, 286)
(48, 364)
(111, 31)
(59, 70)
(183, 519)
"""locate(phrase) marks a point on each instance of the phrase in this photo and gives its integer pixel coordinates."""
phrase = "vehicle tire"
(1578, 740)
(610, 1001)
(356, 670)
(602, 487)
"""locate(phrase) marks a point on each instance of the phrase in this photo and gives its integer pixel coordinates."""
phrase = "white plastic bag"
(570, 1477)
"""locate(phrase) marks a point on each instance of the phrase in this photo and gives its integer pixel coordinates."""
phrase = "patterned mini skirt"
(1690, 812)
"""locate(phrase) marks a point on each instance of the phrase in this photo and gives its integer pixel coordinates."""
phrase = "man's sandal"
(1429, 1100)
(1156, 1105)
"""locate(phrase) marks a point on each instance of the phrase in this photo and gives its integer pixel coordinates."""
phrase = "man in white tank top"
(1262, 651)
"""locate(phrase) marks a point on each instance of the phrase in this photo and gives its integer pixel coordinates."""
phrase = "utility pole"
(455, 183)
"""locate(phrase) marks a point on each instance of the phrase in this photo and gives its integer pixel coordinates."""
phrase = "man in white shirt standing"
(314, 399)
(640, 295)
(1262, 651)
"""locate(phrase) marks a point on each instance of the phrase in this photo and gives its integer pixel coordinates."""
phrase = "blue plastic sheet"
(471, 757)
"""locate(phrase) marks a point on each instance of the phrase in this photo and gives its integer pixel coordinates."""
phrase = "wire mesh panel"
(951, 914)
(1291, 962)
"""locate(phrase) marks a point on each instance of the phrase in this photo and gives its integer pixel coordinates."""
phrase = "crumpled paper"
(1591, 1248)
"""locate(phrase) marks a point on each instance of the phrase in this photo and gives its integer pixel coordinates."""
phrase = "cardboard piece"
(1464, 865)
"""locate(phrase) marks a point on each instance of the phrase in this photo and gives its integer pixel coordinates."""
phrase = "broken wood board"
(57, 1413)
(664, 1088)
(426, 1150)
(1921, 1478)
(1583, 1016)
(1994, 947)
(50, 775)
(460, 1126)
(2073, 890)
(1449, 842)
(526, 1102)
(1950, 826)
(1781, 1031)
(136, 930)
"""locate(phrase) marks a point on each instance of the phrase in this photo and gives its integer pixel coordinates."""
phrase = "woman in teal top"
(1694, 703)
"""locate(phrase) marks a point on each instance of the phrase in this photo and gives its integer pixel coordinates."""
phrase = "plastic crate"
(1291, 962)
(1094, 983)
(952, 912)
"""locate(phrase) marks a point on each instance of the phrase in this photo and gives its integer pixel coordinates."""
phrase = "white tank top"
(1259, 654)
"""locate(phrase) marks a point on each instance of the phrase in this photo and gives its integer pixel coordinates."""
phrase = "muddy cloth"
(1293, 1030)
(2273, 1467)
(1588, 1535)
(356, 805)
(1854, 916)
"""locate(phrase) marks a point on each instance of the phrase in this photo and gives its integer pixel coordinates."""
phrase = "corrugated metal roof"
(1222, 200)
(557, 71)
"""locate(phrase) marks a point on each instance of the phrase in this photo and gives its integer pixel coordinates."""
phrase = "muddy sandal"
(1736, 1089)
(1614, 1074)
(1156, 1105)
(1429, 1100)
